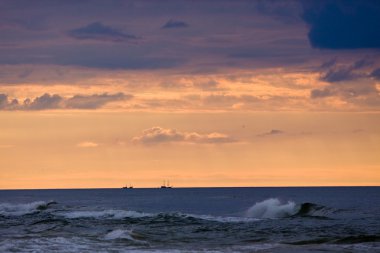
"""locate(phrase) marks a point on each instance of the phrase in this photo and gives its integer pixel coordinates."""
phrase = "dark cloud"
(345, 73)
(98, 31)
(207, 85)
(363, 94)
(343, 84)
(226, 100)
(100, 56)
(3, 101)
(376, 74)
(55, 101)
(284, 11)
(175, 24)
(343, 24)
(271, 133)
(111, 62)
(316, 93)
(328, 64)
(157, 135)
(94, 101)
(338, 75)
(46, 101)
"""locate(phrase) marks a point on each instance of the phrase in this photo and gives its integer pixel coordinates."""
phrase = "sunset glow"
(230, 93)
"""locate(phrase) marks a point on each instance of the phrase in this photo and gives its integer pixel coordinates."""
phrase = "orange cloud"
(156, 135)
(87, 144)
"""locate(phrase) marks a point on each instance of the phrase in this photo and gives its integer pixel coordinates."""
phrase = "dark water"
(323, 219)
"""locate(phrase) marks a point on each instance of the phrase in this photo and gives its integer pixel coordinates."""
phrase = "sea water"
(304, 219)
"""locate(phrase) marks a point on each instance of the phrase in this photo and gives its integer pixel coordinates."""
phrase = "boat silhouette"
(166, 185)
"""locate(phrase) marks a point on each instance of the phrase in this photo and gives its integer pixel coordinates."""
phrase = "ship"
(127, 187)
(166, 185)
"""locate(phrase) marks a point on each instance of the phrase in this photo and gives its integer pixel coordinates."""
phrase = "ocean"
(278, 219)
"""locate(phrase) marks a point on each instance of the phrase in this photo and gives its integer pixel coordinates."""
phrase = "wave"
(269, 208)
(339, 240)
(108, 214)
(7, 209)
(224, 219)
(274, 208)
(313, 210)
(125, 234)
(123, 214)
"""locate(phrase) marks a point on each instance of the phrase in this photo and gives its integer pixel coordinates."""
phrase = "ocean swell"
(7, 209)
(107, 214)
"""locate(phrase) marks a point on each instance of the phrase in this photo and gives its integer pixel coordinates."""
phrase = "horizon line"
(190, 187)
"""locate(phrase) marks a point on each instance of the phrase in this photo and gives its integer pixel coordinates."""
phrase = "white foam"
(261, 247)
(125, 234)
(109, 214)
(272, 208)
(226, 219)
(7, 209)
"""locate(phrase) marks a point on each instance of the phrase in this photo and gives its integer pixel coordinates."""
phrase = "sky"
(201, 93)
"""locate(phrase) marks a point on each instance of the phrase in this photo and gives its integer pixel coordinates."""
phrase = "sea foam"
(108, 214)
(272, 208)
(7, 209)
(124, 234)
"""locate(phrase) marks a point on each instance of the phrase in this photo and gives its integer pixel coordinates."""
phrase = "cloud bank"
(99, 31)
(55, 101)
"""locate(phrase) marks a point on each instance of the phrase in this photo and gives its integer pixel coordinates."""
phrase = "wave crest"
(7, 209)
(125, 234)
(272, 208)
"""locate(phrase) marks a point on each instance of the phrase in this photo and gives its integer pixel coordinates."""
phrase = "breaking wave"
(269, 208)
(275, 208)
(7, 209)
(125, 234)
(272, 208)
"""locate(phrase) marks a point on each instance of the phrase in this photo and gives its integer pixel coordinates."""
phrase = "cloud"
(328, 64)
(156, 135)
(347, 24)
(271, 133)
(46, 101)
(94, 101)
(207, 85)
(338, 74)
(316, 93)
(376, 74)
(363, 94)
(55, 101)
(3, 100)
(344, 84)
(98, 31)
(174, 24)
(87, 144)
(227, 100)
